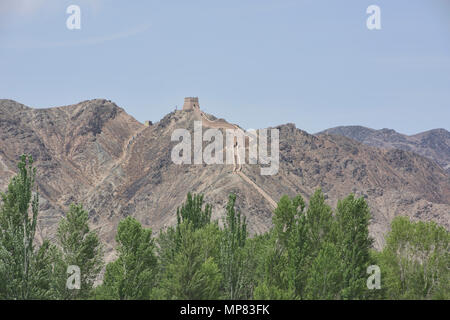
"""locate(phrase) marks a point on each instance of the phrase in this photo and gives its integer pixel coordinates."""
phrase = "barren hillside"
(433, 144)
(95, 153)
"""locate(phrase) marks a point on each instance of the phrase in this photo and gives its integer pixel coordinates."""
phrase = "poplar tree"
(132, 275)
(18, 218)
(193, 273)
(354, 244)
(192, 211)
(415, 261)
(234, 258)
(195, 212)
(281, 261)
(79, 247)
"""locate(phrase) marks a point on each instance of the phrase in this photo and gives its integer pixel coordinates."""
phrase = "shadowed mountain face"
(96, 154)
(433, 144)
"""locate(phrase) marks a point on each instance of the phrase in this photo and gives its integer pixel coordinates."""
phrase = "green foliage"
(354, 244)
(235, 258)
(265, 291)
(170, 240)
(45, 270)
(20, 263)
(315, 255)
(193, 212)
(325, 277)
(193, 273)
(168, 245)
(282, 257)
(132, 275)
(415, 261)
(80, 247)
(319, 222)
(286, 217)
(310, 253)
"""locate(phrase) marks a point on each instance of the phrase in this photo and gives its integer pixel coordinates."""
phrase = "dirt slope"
(95, 153)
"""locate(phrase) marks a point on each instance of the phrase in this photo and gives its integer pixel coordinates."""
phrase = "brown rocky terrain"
(433, 144)
(96, 154)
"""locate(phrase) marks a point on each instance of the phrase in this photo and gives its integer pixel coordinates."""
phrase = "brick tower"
(191, 103)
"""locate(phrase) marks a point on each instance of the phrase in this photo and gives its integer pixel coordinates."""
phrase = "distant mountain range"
(95, 153)
(433, 144)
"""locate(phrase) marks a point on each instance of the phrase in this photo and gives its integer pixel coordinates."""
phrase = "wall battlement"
(191, 103)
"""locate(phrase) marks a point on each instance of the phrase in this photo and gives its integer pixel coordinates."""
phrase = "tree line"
(311, 252)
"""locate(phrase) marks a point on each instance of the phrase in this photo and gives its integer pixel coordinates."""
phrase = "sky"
(256, 63)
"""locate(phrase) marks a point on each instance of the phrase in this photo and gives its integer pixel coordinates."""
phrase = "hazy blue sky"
(257, 63)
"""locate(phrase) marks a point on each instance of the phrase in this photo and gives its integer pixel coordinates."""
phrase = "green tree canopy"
(415, 261)
(20, 263)
(132, 275)
(80, 247)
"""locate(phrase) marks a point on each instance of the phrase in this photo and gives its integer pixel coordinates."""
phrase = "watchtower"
(191, 103)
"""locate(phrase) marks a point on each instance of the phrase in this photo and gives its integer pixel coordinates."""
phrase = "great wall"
(192, 104)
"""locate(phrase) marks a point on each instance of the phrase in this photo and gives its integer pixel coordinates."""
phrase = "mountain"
(433, 144)
(96, 154)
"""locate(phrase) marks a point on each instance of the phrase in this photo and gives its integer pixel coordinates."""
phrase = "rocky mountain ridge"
(433, 144)
(96, 154)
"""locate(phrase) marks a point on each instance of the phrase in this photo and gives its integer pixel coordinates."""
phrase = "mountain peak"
(433, 144)
(94, 153)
